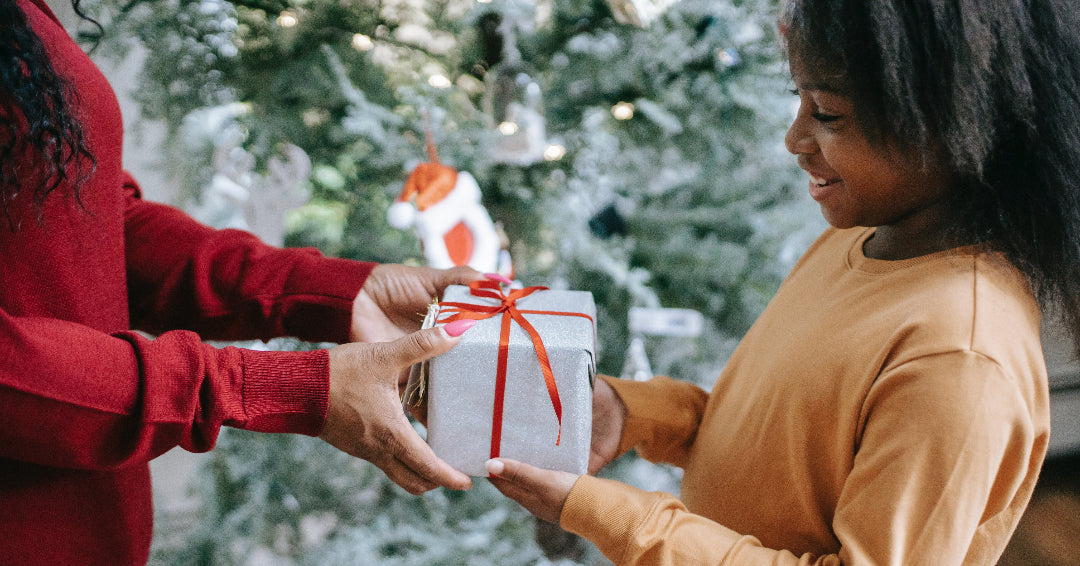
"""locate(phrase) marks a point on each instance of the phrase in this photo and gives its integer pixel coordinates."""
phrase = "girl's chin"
(837, 219)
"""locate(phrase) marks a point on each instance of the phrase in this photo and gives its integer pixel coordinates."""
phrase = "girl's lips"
(821, 188)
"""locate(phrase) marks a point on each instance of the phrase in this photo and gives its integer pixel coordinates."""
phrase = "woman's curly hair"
(988, 88)
(36, 117)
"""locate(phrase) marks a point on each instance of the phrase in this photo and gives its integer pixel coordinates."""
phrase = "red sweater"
(85, 402)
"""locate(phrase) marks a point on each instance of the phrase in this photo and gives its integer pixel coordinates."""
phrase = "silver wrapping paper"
(461, 387)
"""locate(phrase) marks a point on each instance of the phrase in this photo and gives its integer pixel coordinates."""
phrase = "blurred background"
(631, 148)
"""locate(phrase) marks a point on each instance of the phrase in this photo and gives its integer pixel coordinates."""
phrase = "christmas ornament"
(453, 226)
(517, 110)
(523, 131)
(514, 100)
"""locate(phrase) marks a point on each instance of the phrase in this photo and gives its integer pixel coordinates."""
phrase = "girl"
(890, 406)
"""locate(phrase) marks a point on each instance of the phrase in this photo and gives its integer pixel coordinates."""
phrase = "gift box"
(519, 383)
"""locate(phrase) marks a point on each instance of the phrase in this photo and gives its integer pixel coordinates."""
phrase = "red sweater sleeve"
(78, 388)
(228, 285)
(76, 397)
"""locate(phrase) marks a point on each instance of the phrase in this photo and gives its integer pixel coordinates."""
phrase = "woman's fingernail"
(458, 327)
(499, 278)
(494, 467)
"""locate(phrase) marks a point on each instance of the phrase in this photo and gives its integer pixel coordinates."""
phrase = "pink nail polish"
(458, 327)
(499, 278)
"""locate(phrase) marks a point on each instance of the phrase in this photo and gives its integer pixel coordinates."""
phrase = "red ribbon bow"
(508, 308)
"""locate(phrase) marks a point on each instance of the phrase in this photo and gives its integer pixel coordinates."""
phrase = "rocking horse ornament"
(443, 205)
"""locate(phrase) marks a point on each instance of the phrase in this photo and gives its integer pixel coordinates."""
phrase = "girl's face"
(855, 182)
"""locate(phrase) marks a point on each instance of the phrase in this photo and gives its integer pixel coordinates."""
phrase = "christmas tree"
(631, 149)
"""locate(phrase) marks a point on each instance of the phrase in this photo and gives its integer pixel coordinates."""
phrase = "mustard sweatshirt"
(878, 412)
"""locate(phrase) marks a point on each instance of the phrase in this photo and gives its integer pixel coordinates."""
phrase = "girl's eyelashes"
(819, 116)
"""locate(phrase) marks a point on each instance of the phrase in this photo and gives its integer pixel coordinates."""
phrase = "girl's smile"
(821, 186)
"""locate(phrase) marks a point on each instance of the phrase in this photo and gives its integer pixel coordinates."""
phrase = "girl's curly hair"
(989, 88)
(37, 122)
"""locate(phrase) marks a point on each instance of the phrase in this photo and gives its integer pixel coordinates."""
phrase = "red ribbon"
(508, 308)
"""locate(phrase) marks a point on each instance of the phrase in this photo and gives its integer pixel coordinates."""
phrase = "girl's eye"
(819, 116)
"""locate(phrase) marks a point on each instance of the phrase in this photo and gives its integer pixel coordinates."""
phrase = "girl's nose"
(798, 139)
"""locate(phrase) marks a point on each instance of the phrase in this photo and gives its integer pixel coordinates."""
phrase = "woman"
(84, 261)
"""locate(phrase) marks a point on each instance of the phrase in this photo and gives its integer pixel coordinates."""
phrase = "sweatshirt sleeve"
(948, 444)
(662, 419)
(78, 398)
(227, 284)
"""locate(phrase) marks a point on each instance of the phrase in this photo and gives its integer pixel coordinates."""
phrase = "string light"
(287, 19)
(508, 128)
(554, 152)
(728, 57)
(623, 111)
(439, 81)
(313, 117)
(361, 42)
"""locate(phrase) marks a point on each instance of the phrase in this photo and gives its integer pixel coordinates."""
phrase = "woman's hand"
(395, 298)
(542, 492)
(608, 417)
(365, 418)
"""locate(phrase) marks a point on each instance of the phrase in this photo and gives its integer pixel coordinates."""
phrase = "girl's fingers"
(514, 472)
(542, 492)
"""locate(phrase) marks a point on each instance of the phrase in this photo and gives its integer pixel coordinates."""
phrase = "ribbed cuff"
(286, 391)
(606, 512)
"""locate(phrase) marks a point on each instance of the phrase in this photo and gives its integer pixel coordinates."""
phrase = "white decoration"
(666, 322)
(238, 196)
(282, 189)
(636, 367)
(640, 13)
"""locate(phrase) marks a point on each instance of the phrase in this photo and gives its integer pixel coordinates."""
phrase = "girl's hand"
(542, 492)
(609, 415)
